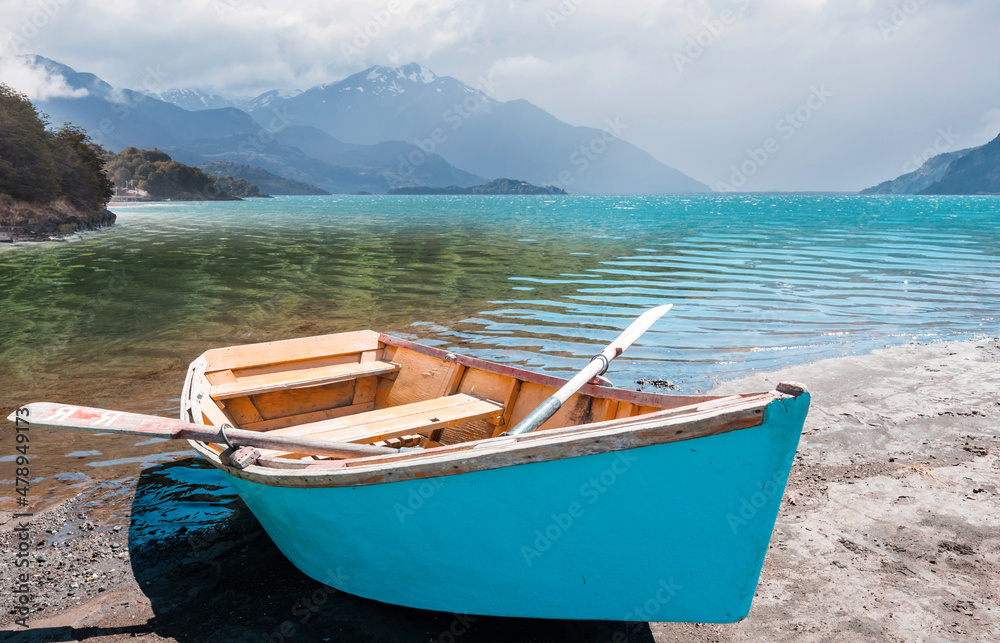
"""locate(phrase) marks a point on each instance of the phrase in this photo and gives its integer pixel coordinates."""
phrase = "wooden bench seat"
(407, 419)
(304, 378)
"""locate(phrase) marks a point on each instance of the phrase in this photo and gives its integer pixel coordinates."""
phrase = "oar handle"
(597, 366)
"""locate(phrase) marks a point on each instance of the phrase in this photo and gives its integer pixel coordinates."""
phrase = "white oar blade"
(549, 407)
(66, 416)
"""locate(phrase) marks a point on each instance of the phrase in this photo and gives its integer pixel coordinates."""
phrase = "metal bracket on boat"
(607, 363)
(599, 379)
(240, 457)
(225, 438)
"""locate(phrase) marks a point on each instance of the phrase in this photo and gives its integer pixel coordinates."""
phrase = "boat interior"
(369, 388)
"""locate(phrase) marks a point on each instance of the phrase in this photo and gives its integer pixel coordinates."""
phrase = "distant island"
(496, 186)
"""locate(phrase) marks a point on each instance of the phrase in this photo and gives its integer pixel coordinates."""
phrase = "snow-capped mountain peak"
(266, 100)
(378, 80)
(415, 72)
(381, 80)
(193, 100)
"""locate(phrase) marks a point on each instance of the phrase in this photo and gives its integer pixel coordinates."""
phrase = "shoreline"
(48, 222)
(889, 529)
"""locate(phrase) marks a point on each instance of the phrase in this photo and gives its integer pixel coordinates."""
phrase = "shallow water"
(111, 318)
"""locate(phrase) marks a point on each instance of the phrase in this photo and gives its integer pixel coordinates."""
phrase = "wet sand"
(889, 530)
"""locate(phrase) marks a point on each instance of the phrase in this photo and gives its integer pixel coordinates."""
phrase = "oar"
(597, 366)
(63, 416)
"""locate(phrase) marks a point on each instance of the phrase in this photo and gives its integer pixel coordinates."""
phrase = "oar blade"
(67, 416)
(596, 366)
(640, 326)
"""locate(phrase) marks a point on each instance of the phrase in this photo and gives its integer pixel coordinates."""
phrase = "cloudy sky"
(808, 94)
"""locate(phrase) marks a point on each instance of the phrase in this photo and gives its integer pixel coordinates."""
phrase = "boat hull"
(665, 532)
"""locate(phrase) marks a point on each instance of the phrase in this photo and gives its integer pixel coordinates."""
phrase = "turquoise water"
(111, 318)
(757, 281)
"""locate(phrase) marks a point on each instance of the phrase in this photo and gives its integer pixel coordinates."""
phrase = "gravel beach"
(889, 531)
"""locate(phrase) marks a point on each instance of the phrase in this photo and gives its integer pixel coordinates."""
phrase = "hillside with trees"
(51, 181)
(238, 187)
(154, 172)
(266, 181)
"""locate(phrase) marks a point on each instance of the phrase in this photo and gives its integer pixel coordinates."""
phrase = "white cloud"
(37, 82)
(894, 88)
(523, 67)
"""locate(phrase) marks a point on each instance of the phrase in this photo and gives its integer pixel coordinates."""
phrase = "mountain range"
(379, 129)
(974, 170)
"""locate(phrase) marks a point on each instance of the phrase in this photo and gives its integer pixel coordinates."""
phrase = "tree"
(39, 166)
(236, 187)
(79, 168)
(27, 172)
(155, 172)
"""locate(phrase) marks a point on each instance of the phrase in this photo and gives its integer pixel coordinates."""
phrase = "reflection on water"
(111, 318)
(181, 496)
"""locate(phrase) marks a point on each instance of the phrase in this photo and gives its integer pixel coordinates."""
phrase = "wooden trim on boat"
(623, 420)
(481, 455)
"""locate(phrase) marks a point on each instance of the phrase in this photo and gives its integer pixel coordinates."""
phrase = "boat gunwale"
(721, 414)
(490, 453)
(495, 453)
(641, 398)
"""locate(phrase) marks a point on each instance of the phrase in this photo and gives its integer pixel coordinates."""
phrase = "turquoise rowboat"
(623, 506)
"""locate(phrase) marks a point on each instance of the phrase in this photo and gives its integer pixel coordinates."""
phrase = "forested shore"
(52, 182)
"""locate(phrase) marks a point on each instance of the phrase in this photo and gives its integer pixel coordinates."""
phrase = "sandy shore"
(889, 531)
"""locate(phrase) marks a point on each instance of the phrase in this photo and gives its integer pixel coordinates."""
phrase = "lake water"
(112, 318)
